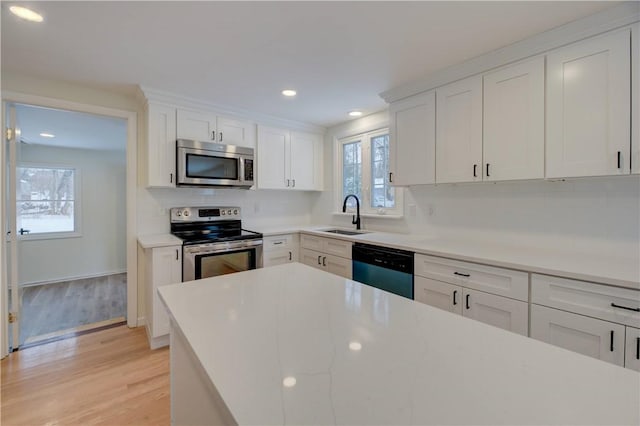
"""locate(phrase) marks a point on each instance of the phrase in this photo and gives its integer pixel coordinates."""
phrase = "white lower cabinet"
(280, 249)
(498, 311)
(589, 336)
(632, 348)
(163, 266)
(325, 261)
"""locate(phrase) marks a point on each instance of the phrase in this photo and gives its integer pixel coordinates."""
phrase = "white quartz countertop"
(158, 240)
(601, 268)
(294, 345)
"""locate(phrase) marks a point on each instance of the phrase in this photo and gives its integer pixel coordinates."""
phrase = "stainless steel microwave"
(213, 164)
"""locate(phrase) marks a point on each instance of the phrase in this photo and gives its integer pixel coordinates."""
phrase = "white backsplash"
(260, 209)
(590, 215)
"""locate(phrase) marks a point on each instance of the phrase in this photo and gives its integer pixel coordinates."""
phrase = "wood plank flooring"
(108, 377)
(65, 305)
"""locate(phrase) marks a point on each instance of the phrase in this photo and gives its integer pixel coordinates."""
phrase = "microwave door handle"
(241, 171)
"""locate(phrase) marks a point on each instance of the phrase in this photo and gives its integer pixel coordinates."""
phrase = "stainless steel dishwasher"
(384, 268)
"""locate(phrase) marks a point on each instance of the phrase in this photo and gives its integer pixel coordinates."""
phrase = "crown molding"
(616, 17)
(145, 94)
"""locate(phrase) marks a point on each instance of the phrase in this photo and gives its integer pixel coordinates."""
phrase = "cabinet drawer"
(311, 242)
(277, 242)
(338, 247)
(589, 336)
(594, 300)
(503, 282)
(438, 294)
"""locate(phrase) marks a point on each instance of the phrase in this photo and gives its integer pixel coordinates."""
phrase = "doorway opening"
(67, 208)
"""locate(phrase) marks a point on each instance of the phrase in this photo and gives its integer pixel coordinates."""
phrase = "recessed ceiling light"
(47, 135)
(355, 113)
(289, 382)
(24, 13)
(289, 92)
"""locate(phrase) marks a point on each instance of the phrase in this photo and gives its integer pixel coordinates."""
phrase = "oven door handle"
(221, 247)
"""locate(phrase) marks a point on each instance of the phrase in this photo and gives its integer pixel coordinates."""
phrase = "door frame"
(131, 191)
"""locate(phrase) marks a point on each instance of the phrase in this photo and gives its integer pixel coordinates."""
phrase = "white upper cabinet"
(513, 142)
(208, 127)
(588, 107)
(289, 160)
(635, 83)
(413, 140)
(161, 146)
(459, 131)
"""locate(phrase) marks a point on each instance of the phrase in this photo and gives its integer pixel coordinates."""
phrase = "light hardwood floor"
(108, 377)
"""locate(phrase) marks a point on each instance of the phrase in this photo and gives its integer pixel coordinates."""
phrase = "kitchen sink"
(344, 232)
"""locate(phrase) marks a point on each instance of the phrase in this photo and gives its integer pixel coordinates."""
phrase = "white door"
(589, 336)
(311, 258)
(337, 265)
(272, 158)
(632, 349)
(459, 131)
(236, 132)
(196, 125)
(436, 293)
(513, 141)
(14, 297)
(412, 153)
(588, 107)
(278, 257)
(635, 108)
(498, 311)
(303, 161)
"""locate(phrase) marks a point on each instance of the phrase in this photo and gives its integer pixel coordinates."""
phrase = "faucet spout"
(356, 219)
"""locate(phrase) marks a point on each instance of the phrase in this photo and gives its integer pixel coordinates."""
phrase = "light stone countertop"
(622, 272)
(605, 269)
(158, 240)
(359, 355)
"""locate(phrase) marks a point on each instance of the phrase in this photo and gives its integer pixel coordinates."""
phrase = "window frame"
(77, 204)
(365, 137)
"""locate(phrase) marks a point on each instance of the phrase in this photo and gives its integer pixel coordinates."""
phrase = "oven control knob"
(223, 212)
(235, 211)
(178, 213)
(229, 211)
(186, 213)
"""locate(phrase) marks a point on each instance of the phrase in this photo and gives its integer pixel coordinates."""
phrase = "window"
(364, 170)
(47, 204)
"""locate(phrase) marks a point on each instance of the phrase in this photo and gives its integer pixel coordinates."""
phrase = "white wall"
(101, 248)
(594, 215)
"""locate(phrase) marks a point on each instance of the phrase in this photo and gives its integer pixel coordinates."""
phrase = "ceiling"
(337, 55)
(71, 129)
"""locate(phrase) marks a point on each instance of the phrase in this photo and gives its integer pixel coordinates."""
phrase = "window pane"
(45, 199)
(352, 171)
(382, 195)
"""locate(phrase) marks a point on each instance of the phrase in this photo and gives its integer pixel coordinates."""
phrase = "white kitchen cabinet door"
(588, 107)
(166, 268)
(279, 257)
(196, 125)
(236, 132)
(635, 97)
(311, 258)
(337, 265)
(513, 141)
(272, 157)
(436, 293)
(459, 131)
(412, 154)
(305, 161)
(632, 349)
(502, 312)
(589, 336)
(161, 146)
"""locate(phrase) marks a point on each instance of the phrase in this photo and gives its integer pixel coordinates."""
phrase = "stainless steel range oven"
(214, 242)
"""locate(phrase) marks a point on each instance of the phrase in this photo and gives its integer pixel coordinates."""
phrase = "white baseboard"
(142, 321)
(80, 277)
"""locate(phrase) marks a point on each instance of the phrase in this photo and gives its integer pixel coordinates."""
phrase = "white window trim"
(77, 204)
(396, 212)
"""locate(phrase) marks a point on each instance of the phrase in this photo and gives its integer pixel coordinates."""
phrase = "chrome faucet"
(356, 218)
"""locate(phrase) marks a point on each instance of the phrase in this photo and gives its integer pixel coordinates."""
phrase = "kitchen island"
(294, 345)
